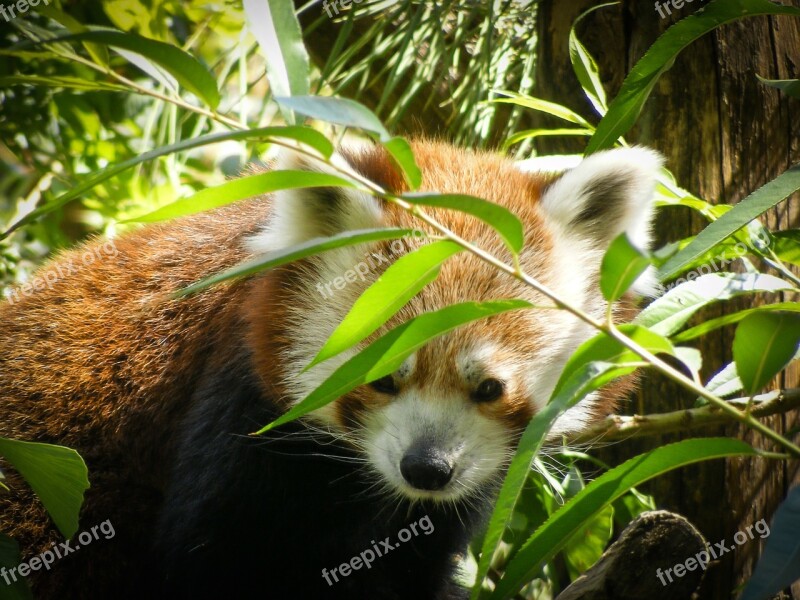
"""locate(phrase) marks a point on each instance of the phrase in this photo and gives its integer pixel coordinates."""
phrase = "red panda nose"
(426, 469)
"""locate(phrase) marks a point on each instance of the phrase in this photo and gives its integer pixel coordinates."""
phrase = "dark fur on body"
(237, 504)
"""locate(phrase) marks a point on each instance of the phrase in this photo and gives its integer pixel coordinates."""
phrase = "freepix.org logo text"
(11, 11)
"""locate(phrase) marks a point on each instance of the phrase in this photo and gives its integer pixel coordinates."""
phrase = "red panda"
(160, 397)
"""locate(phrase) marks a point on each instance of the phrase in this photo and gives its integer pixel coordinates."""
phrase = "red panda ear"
(605, 194)
(300, 215)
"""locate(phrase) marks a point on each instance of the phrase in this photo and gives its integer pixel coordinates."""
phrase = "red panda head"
(444, 424)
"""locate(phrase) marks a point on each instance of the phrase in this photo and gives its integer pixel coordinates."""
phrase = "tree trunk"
(724, 134)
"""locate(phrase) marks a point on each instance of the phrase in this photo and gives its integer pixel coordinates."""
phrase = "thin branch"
(516, 272)
(619, 427)
(513, 270)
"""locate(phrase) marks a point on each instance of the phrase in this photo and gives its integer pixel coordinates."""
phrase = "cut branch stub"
(635, 566)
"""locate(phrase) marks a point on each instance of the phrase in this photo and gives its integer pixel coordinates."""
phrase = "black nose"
(426, 469)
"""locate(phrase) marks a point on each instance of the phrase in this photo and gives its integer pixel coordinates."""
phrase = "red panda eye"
(385, 385)
(488, 390)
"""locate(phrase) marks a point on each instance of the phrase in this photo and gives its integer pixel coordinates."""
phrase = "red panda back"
(99, 361)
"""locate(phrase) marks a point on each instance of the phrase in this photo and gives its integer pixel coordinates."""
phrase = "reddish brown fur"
(462, 278)
(94, 363)
(97, 363)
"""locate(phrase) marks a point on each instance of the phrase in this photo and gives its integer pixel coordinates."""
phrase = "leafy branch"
(356, 118)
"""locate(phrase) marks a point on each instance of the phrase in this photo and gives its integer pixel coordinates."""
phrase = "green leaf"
(586, 545)
(186, 70)
(725, 383)
(715, 259)
(29, 55)
(786, 245)
(9, 558)
(150, 68)
(97, 52)
(742, 213)
(62, 81)
(241, 189)
(56, 474)
(403, 157)
(550, 108)
(581, 382)
(304, 135)
(551, 537)
(692, 358)
(671, 311)
(499, 217)
(293, 253)
(714, 324)
(779, 565)
(622, 264)
(275, 26)
(602, 347)
(341, 111)
(625, 108)
(585, 67)
(764, 344)
(790, 87)
(534, 133)
(535, 503)
(391, 291)
(387, 353)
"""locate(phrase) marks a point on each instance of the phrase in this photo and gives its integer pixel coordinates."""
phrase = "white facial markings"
(474, 445)
(313, 320)
(471, 364)
(485, 360)
(406, 371)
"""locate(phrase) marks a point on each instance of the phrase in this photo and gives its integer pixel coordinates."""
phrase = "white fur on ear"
(605, 194)
(303, 214)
